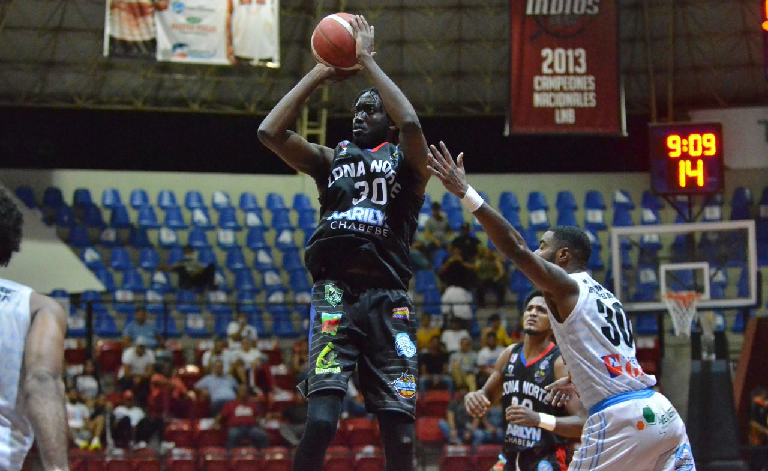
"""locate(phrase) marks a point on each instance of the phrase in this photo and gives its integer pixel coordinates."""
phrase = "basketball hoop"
(682, 307)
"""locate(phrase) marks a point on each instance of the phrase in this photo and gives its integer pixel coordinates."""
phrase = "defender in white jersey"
(630, 425)
(31, 358)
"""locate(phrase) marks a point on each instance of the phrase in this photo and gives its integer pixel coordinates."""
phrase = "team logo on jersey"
(616, 365)
(544, 466)
(326, 361)
(404, 345)
(684, 458)
(541, 373)
(331, 322)
(405, 386)
(333, 295)
(401, 313)
(511, 363)
(343, 151)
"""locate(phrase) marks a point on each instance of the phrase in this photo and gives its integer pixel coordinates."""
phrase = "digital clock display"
(686, 158)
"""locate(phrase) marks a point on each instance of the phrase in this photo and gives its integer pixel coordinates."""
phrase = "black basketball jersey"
(368, 216)
(523, 384)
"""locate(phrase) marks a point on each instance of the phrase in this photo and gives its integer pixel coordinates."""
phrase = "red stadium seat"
(280, 399)
(246, 463)
(369, 458)
(190, 375)
(181, 432)
(272, 427)
(116, 464)
(435, 403)
(80, 459)
(109, 355)
(74, 352)
(146, 463)
(277, 458)
(181, 459)
(177, 352)
(213, 458)
(361, 431)
(338, 458)
(282, 377)
(456, 458)
(428, 432)
(485, 456)
(211, 438)
(340, 439)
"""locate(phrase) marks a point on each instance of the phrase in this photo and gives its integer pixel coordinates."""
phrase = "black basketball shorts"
(372, 330)
(552, 459)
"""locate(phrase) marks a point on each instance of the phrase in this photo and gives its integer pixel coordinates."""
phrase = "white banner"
(745, 134)
(219, 32)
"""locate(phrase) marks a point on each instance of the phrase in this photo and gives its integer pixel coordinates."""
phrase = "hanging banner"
(565, 67)
(217, 32)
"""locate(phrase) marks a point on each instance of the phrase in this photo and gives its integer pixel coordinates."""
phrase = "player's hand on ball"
(476, 403)
(452, 174)
(521, 415)
(363, 33)
(560, 392)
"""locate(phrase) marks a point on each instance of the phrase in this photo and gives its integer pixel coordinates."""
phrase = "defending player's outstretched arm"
(43, 387)
(548, 277)
(412, 140)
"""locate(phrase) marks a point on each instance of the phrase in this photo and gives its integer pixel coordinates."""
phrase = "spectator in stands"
(495, 327)
(138, 366)
(490, 275)
(130, 426)
(87, 383)
(260, 377)
(239, 329)
(487, 356)
(294, 419)
(168, 395)
(433, 367)
(218, 387)
(248, 353)
(427, 329)
(84, 431)
(453, 335)
(219, 352)
(437, 232)
(241, 416)
(300, 358)
(459, 427)
(463, 365)
(192, 273)
(458, 278)
(468, 244)
(162, 354)
(139, 327)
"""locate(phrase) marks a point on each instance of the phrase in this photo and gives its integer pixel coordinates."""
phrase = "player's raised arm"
(412, 140)
(43, 387)
(301, 155)
(478, 402)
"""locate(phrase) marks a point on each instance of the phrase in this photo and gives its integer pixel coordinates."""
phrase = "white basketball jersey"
(598, 346)
(15, 431)
(255, 33)
(193, 31)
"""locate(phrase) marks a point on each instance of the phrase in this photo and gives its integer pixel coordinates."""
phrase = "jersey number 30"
(619, 327)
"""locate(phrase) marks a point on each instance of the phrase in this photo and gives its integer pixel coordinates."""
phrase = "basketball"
(333, 42)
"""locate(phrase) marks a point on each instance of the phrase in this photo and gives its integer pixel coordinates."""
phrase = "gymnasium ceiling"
(450, 56)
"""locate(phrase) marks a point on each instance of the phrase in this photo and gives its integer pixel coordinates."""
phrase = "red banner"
(565, 76)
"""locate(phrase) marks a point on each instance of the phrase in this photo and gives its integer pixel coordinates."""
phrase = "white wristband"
(547, 422)
(472, 200)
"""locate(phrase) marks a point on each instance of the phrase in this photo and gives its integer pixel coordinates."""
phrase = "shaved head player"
(630, 426)
(32, 342)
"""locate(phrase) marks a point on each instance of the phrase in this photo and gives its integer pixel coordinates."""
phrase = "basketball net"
(682, 307)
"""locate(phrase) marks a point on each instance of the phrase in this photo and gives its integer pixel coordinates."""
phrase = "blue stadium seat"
(148, 259)
(256, 319)
(248, 202)
(566, 200)
(220, 200)
(193, 200)
(26, 195)
(201, 219)
(244, 280)
(147, 217)
(153, 302)
(175, 255)
(537, 211)
(119, 217)
(307, 220)
(76, 327)
(246, 302)
(623, 200)
(594, 200)
(206, 256)
(742, 286)
(222, 316)
(221, 281)
(106, 279)
(194, 325)
(82, 198)
(622, 217)
(595, 261)
(262, 259)
(104, 326)
(761, 234)
(740, 203)
(650, 201)
(174, 219)
(276, 294)
(284, 239)
(508, 201)
(138, 238)
(292, 260)
(198, 238)
(64, 216)
(168, 238)
(438, 258)
(92, 259)
(92, 217)
(646, 324)
(185, 301)
(166, 325)
(226, 240)
(254, 239)
(110, 198)
(282, 326)
(235, 260)
(299, 281)
(713, 212)
(513, 218)
(566, 217)
(255, 218)
(455, 218)
(519, 284)
(594, 241)
(764, 198)
(166, 199)
(537, 201)
(450, 201)
(228, 219)
(281, 219)
(52, 197)
(139, 198)
(275, 201)
(740, 321)
(160, 282)
(649, 217)
(272, 279)
(594, 219)
(78, 237)
(133, 281)
(123, 304)
(424, 281)
(301, 201)
(530, 238)
(432, 302)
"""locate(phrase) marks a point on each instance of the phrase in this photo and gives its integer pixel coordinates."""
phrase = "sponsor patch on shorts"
(326, 361)
(401, 313)
(330, 322)
(544, 466)
(684, 458)
(404, 345)
(405, 386)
